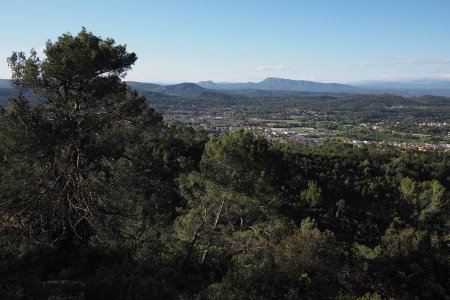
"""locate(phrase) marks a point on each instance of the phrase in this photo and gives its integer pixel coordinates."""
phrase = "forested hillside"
(102, 199)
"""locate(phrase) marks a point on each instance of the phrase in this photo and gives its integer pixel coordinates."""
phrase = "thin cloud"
(423, 62)
(272, 68)
(409, 62)
(415, 75)
(265, 68)
(368, 64)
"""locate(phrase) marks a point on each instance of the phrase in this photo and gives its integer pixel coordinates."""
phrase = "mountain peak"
(208, 84)
(275, 83)
(276, 79)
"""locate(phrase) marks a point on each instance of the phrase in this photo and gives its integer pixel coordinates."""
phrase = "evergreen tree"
(68, 159)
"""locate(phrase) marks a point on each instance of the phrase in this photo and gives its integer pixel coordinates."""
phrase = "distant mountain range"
(280, 84)
(268, 87)
(5, 84)
(181, 89)
(143, 86)
(286, 87)
(421, 84)
(277, 87)
(418, 87)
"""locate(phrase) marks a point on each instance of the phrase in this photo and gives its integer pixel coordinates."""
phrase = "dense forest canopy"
(101, 199)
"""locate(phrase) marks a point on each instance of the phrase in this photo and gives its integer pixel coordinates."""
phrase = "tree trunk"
(213, 229)
(194, 238)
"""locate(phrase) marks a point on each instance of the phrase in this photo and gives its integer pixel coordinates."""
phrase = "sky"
(237, 41)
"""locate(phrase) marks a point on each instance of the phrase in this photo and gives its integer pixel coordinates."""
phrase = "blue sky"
(246, 40)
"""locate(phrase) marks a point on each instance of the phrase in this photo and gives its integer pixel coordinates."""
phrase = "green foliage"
(312, 195)
(250, 276)
(229, 208)
(239, 160)
(415, 265)
(68, 160)
(429, 204)
(366, 252)
(370, 297)
(310, 257)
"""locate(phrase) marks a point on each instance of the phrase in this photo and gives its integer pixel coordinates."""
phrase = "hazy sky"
(246, 40)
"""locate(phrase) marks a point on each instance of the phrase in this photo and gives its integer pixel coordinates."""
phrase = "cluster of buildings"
(220, 122)
(406, 145)
(419, 146)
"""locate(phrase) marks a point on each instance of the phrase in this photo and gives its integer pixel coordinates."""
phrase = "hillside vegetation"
(101, 199)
